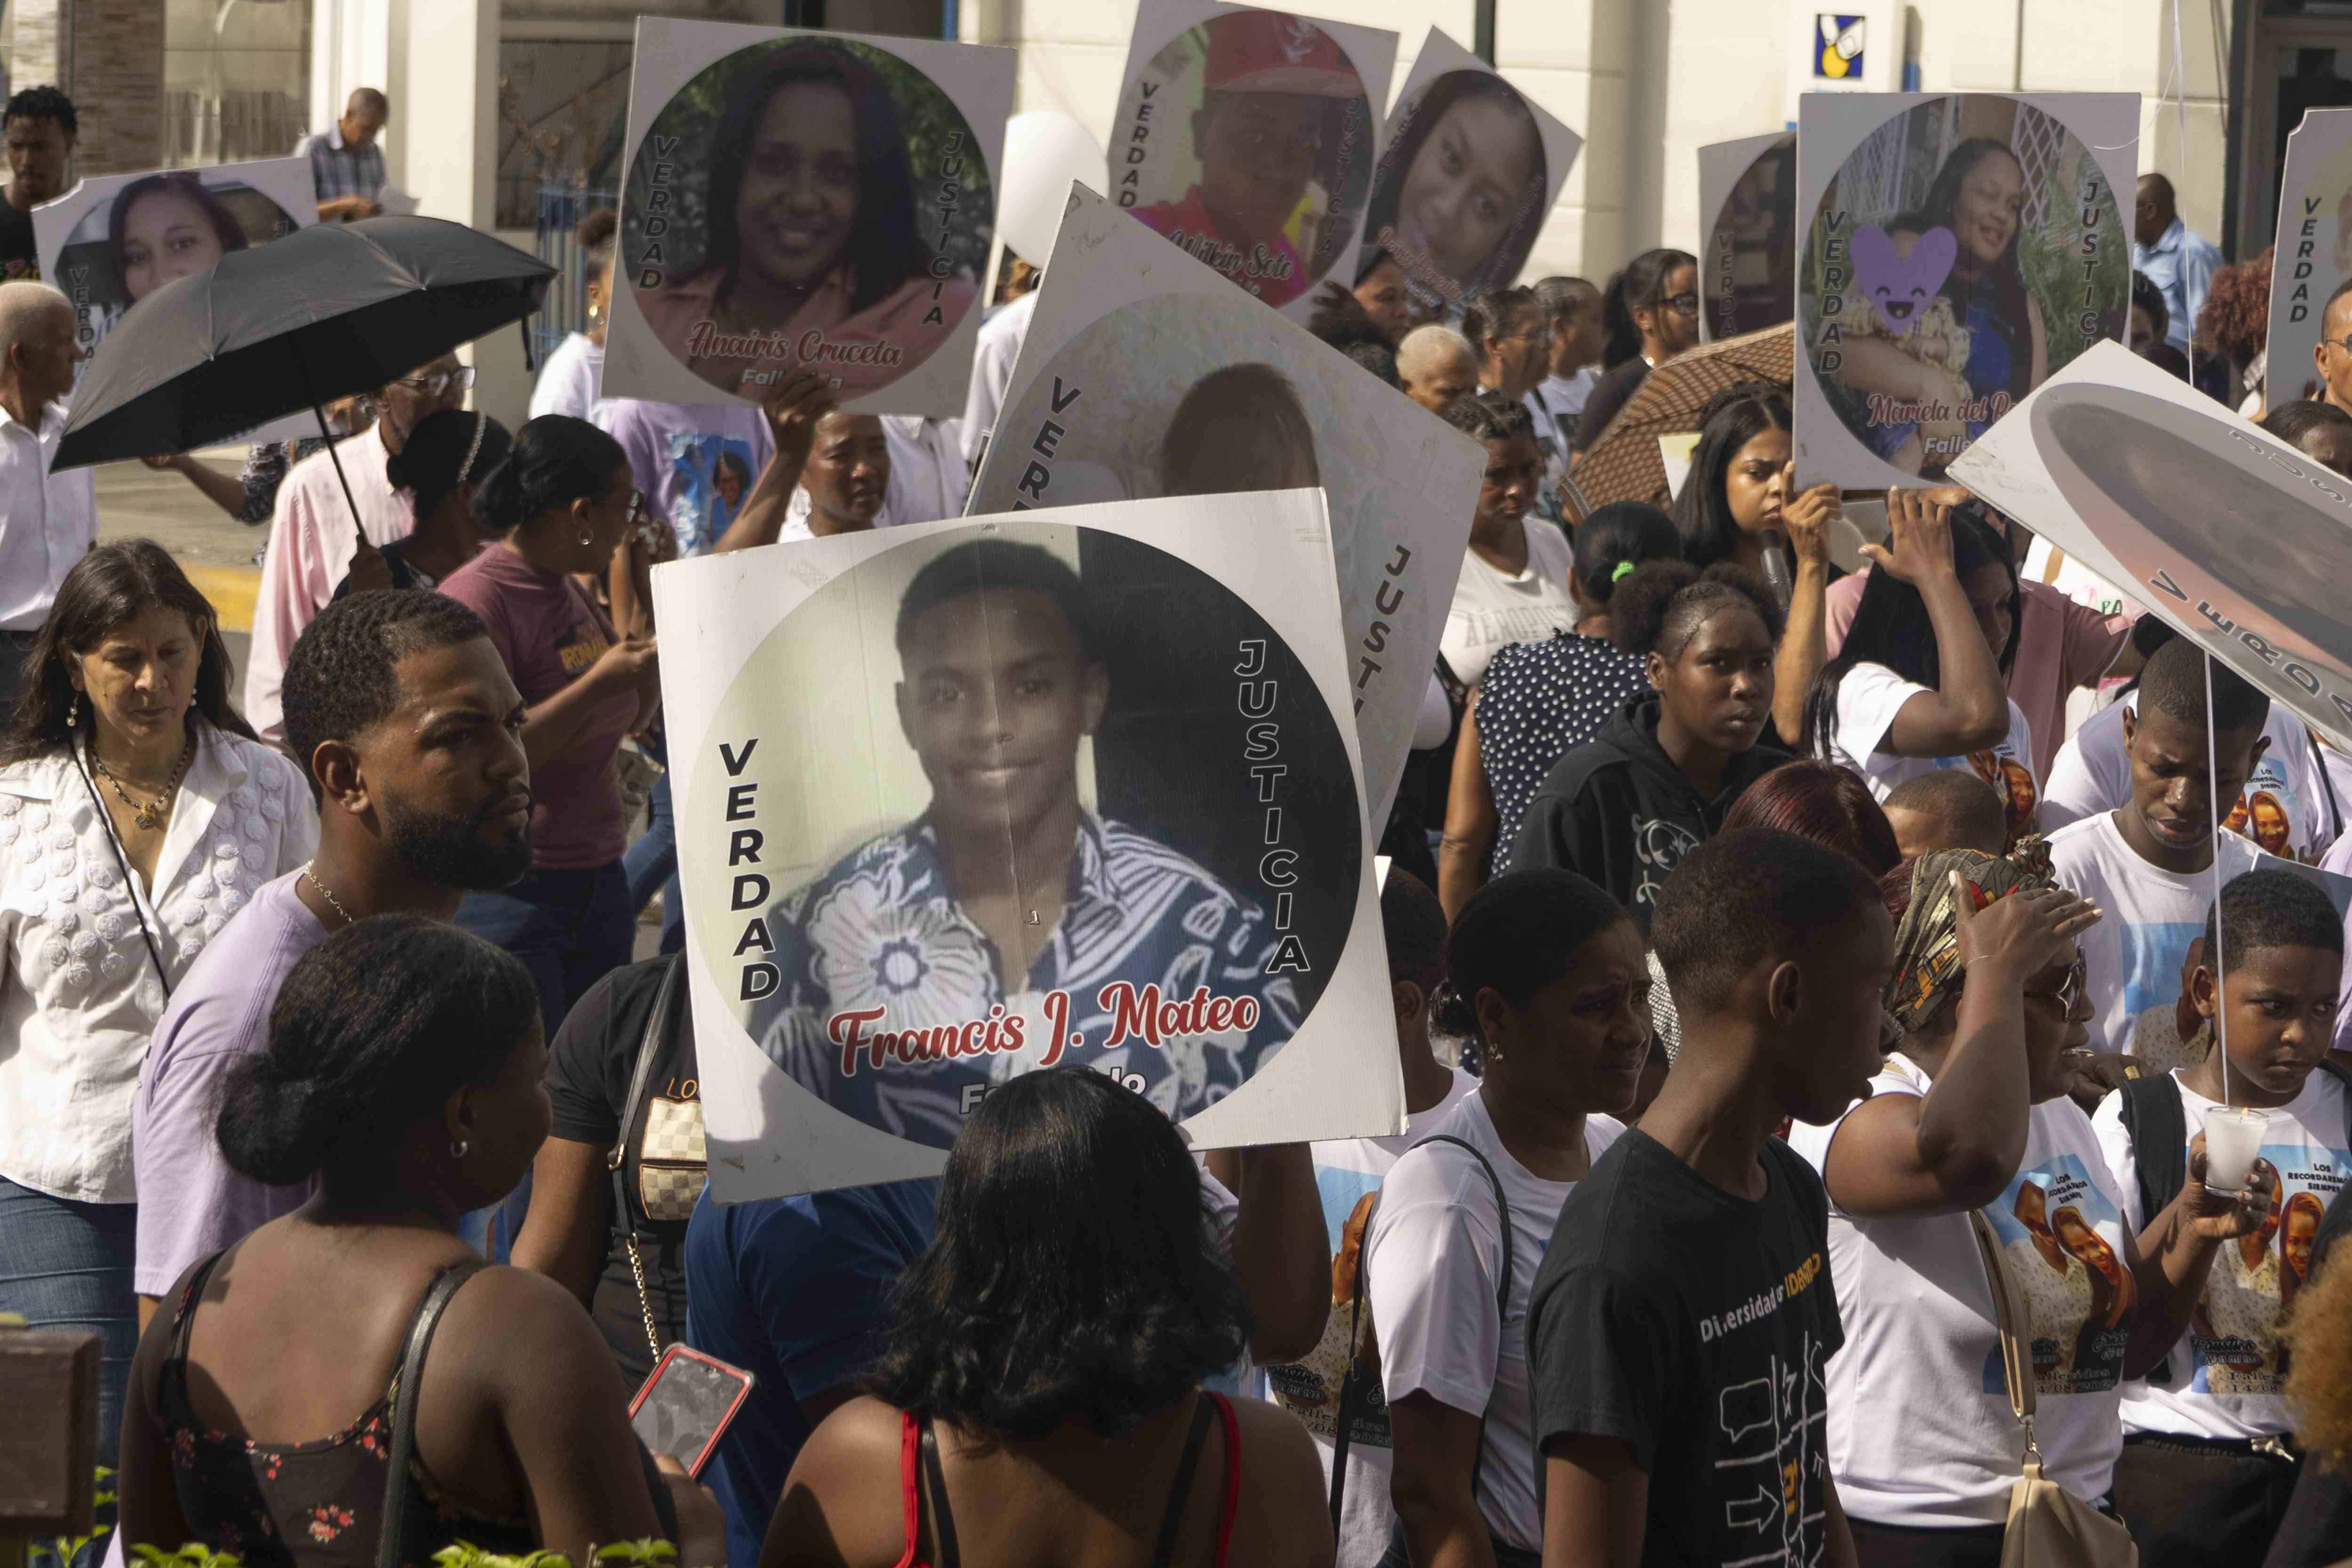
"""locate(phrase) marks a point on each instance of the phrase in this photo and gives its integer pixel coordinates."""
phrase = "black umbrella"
(325, 313)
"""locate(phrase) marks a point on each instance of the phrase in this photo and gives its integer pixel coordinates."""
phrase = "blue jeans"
(652, 862)
(570, 929)
(67, 1265)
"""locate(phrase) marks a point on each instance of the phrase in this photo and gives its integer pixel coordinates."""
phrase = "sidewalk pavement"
(215, 549)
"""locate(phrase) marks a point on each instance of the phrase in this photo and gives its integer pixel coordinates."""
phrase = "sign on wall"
(1843, 48)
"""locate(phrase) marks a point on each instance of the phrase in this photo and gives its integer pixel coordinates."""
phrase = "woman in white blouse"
(137, 815)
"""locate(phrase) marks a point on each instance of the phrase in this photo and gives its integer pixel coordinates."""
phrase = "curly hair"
(43, 103)
(342, 678)
(1074, 1277)
(1662, 604)
(2236, 317)
(2318, 1335)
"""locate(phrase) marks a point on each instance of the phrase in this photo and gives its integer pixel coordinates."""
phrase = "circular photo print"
(1748, 275)
(1460, 192)
(807, 202)
(2163, 487)
(1966, 248)
(1113, 826)
(155, 229)
(1248, 141)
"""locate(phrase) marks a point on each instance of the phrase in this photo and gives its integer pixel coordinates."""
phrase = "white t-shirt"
(571, 381)
(2284, 807)
(1871, 695)
(2134, 955)
(1920, 1430)
(1436, 1258)
(1493, 610)
(2226, 1372)
(1348, 1173)
(1561, 399)
(2076, 580)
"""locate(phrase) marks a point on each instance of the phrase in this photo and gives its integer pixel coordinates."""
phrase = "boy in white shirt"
(2149, 863)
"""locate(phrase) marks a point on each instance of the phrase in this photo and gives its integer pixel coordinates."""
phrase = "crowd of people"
(1814, 992)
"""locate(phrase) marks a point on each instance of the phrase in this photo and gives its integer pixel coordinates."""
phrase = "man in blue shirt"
(795, 1292)
(346, 161)
(2178, 262)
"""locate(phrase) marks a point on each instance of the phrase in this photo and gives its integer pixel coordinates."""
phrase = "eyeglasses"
(439, 382)
(2071, 990)
(1531, 336)
(1682, 304)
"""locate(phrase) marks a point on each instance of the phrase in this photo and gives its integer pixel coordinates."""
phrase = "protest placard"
(797, 199)
(1469, 170)
(1747, 259)
(114, 239)
(1957, 251)
(1248, 139)
(1143, 375)
(2315, 246)
(2240, 541)
(958, 801)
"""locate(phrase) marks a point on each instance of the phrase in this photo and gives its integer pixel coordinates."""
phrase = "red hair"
(1824, 803)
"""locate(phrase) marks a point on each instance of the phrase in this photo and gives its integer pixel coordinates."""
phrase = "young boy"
(2149, 864)
(1689, 1271)
(1949, 809)
(2205, 1473)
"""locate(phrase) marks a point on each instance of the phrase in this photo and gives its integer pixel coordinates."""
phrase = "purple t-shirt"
(190, 1203)
(696, 462)
(549, 633)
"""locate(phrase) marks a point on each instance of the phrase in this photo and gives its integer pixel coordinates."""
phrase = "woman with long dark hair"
(1979, 195)
(1038, 1398)
(1921, 682)
(404, 1076)
(1459, 195)
(562, 505)
(810, 226)
(166, 226)
(1543, 697)
(137, 815)
(1651, 309)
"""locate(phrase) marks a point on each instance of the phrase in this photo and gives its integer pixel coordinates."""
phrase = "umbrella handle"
(336, 458)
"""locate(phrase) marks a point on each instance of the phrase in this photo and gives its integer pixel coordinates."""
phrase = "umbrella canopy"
(325, 313)
(1624, 464)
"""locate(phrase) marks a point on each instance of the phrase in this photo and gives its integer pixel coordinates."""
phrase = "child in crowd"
(1946, 810)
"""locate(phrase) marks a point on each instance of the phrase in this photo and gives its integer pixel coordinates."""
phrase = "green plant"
(81, 1550)
(194, 1554)
(631, 1553)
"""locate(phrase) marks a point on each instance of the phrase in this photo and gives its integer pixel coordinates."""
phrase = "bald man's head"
(364, 113)
(1436, 365)
(2153, 208)
(37, 351)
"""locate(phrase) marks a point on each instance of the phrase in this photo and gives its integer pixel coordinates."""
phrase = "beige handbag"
(2049, 1527)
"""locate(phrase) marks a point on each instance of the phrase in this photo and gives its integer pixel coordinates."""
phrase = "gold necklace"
(149, 818)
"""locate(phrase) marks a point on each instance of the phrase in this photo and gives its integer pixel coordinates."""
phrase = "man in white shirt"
(2149, 865)
(928, 477)
(1436, 367)
(991, 371)
(48, 521)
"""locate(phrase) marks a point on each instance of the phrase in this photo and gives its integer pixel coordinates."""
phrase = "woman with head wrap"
(1973, 1114)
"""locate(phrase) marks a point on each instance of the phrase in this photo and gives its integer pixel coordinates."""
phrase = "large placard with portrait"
(114, 239)
(1748, 252)
(2314, 255)
(2240, 541)
(1247, 138)
(798, 200)
(963, 800)
(1469, 170)
(1142, 374)
(1958, 249)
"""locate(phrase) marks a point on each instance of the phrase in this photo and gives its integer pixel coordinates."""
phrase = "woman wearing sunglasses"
(1652, 312)
(562, 504)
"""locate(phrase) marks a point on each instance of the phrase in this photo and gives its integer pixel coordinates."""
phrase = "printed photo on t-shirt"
(714, 475)
(1310, 1389)
(2063, 1243)
(2013, 780)
(2268, 809)
(2234, 1330)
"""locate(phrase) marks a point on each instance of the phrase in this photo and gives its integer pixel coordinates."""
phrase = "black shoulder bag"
(682, 1177)
(404, 1405)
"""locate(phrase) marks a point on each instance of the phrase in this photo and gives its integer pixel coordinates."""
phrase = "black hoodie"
(1617, 810)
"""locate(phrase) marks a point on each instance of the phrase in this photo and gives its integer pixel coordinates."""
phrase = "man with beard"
(404, 713)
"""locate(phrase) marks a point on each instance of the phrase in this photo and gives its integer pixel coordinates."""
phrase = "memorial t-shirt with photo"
(1920, 1431)
(2133, 956)
(1694, 1326)
(1348, 1177)
(1435, 1262)
(1870, 696)
(2226, 1375)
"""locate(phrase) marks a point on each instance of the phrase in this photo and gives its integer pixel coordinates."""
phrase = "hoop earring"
(457, 1148)
(586, 536)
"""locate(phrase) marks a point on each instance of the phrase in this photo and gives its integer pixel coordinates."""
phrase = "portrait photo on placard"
(1748, 275)
(1248, 140)
(1014, 794)
(806, 201)
(1965, 247)
(112, 241)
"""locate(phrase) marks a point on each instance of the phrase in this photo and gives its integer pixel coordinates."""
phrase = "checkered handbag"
(671, 1165)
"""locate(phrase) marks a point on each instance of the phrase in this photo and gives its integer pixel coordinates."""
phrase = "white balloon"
(1044, 149)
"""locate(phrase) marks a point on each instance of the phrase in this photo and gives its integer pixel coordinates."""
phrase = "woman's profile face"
(1991, 594)
(1674, 319)
(165, 235)
(1752, 483)
(1986, 211)
(1466, 183)
(512, 1119)
(2054, 1025)
(1382, 295)
(798, 202)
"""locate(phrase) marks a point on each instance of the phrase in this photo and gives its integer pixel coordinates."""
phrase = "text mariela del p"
(1139, 1014)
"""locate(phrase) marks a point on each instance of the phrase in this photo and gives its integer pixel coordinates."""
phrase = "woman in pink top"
(564, 501)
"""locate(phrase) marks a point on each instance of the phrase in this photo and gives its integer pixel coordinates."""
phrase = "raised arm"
(793, 410)
(1804, 640)
(1969, 710)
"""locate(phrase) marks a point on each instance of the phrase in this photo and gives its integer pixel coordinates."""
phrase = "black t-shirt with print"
(1695, 1327)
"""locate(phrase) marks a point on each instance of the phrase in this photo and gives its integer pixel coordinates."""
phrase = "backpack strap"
(403, 1406)
(2159, 1129)
(1352, 1393)
(2327, 785)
